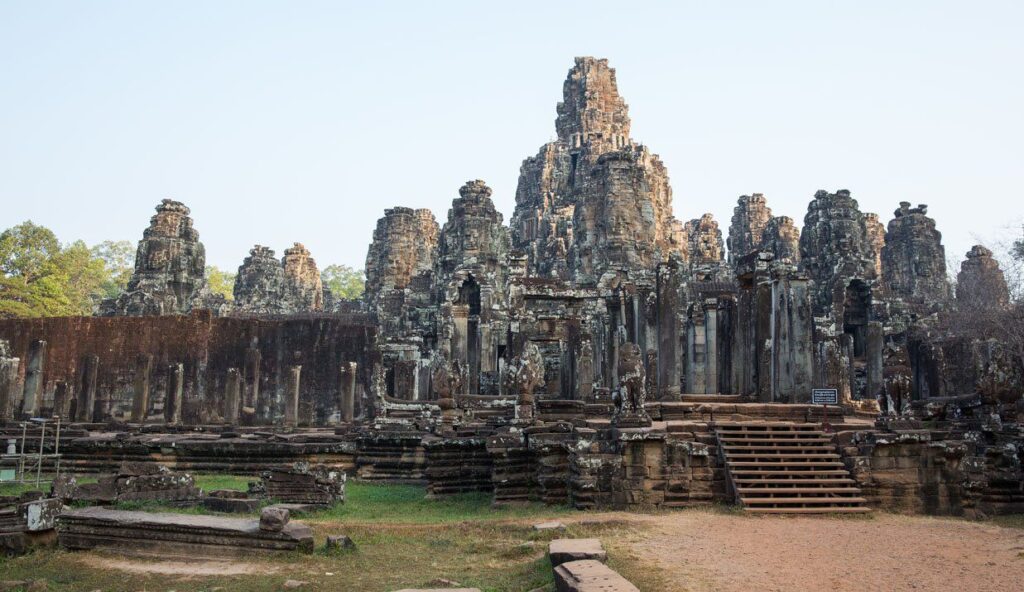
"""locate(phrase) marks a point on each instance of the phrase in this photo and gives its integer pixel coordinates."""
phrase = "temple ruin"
(595, 350)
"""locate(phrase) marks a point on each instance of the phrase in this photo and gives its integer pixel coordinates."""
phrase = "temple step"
(781, 468)
(813, 510)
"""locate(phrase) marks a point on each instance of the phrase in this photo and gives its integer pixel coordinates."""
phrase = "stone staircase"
(786, 468)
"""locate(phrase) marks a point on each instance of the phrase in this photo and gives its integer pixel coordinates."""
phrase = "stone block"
(590, 576)
(273, 519)
(337, 542)
(562, 550)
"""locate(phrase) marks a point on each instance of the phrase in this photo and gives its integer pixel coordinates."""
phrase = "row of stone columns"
(90, 405)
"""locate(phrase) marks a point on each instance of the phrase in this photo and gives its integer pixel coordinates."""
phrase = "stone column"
(668, 331)
(252, 386)
(848, 380)
(460, 339)
(349, 371)
(61, 399)
(763, 341)
(873, 346)
(8, 384)
(140, 399)
(585, 370)
(405, 379)
(291, 401)
(86, 408)
(33, 393)
(232, 396)
(175, 394)
(711, 346)
(695, 352)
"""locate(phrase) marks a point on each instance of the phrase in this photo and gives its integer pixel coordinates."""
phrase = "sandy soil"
(705, 551)
(197, 568)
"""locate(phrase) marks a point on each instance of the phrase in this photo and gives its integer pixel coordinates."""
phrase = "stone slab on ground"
(562, 550)
(163, 535)
(588, 575)
(547, 526)
(231, 505)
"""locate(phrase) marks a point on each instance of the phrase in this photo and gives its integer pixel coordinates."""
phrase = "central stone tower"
(593, 201)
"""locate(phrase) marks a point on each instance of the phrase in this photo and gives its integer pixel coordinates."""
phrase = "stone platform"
(178, 535)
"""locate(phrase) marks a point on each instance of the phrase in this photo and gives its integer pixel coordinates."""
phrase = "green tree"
(83, 277)
(220, 282)
(343, 281)
(26, 249)
(39, 277)
(119, 261)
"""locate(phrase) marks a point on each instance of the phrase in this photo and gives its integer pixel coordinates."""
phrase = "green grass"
(408, 504)
(403, 541)
(15, 488)
(235, 482)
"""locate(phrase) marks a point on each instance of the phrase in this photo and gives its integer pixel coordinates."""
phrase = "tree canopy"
(41, 277)
(221, 282)
(343, 281)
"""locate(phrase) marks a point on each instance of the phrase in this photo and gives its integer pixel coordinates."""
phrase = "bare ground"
(699, 551)
(190, 569)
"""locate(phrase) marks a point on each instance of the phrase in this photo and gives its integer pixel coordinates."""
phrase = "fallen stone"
(547, 526)
(298, 509)
(13, 544)
(444, 582)
(305, 484)
(231, 505)
(178, 535)
(294, 583)
(339, 541)
(273, 519)
(588, 575)
(562, 550)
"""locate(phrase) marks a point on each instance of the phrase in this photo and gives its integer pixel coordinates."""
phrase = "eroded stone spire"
(981, 283)
(913, 258)
(591, 109)
(404, 247)
(303, 288)
(170, 265)
(259, 284)
(749, 219)
(593, 201)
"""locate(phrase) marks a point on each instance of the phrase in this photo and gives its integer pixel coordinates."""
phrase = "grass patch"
(371, 502)
(15, 488)
(233, 482)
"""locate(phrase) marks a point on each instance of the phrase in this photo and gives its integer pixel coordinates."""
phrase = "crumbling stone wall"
(192, 356)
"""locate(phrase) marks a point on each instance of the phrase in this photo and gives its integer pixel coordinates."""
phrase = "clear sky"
(302, 121)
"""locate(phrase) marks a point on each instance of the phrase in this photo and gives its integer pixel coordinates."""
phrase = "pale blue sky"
(302, 121)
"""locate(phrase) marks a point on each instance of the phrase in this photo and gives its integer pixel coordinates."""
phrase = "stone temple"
(594, 349)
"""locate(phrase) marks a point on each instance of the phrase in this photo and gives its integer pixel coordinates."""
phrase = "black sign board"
(825, 396)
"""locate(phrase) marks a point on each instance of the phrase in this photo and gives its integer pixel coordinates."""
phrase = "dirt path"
(196, 568)
(705, 551)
